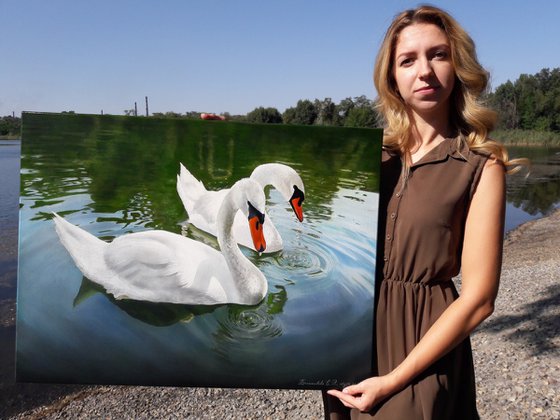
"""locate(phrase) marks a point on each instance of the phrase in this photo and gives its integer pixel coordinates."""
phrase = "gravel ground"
(517, 356)
(517, 350)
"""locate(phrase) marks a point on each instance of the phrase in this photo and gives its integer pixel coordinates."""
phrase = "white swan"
(159, 266)
(202, 205)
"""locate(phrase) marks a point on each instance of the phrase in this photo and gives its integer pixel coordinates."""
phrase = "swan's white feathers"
(79, 244)
(160, 266)
(203, 214)
(202, 205)
(189, 188)
(150, 266)
(155, 264)
(281, 177)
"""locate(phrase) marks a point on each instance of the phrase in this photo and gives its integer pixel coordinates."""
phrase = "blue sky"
(220, 56)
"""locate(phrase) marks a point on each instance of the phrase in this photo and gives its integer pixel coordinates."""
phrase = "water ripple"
(248, 324)
(313, 260)
(241, 325)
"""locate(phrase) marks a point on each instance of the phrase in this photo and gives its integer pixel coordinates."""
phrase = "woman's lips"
(427, 89)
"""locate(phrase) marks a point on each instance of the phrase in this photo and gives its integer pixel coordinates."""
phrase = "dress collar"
(453, 147)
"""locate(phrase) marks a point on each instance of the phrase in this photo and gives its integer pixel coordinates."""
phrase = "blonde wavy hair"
(471, 120)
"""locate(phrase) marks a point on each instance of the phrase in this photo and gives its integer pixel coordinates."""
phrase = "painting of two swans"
(182, 252)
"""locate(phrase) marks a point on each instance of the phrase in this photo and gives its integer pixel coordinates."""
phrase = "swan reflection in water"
(167, 314)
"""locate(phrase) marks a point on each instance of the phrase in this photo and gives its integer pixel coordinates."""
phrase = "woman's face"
(423, 70)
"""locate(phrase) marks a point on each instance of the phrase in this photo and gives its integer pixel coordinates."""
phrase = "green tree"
(342, 110)
(365, 117)
(326, 111)
(304, 113)
(289, 115)
(10, 126)
(532, 102)
(504, 100)
(362, 102)
(264, 115)
(527, 88)
(192, 115)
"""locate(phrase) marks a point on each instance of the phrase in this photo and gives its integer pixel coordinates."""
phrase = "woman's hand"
(366, 394)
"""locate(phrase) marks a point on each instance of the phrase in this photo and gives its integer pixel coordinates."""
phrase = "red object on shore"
(205, 116)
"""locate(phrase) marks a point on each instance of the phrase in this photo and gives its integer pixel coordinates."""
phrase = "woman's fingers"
(346, 399)
(363, 395)
(354, 389)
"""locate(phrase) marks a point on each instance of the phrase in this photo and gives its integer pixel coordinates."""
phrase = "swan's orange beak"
(257, 234)
(256, 221)
(297, 202)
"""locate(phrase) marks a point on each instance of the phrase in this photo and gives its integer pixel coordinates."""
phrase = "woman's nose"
(425, 68)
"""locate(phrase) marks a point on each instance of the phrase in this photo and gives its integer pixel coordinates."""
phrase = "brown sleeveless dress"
(423, 238)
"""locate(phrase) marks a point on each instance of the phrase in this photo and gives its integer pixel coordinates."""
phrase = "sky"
(233, 56)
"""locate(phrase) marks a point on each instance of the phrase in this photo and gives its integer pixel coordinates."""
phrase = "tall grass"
(527, 137)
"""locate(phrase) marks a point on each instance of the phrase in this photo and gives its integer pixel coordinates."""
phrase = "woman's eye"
(406, 62)
(440, 54)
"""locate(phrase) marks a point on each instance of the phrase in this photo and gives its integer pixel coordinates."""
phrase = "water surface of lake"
(537, 195)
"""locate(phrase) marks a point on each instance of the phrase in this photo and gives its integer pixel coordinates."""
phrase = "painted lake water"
(114, 176)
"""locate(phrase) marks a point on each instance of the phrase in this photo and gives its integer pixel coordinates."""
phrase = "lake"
(537, 195)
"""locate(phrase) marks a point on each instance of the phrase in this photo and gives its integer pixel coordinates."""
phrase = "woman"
(444, 196)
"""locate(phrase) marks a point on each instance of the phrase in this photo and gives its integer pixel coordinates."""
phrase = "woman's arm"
(481, 262)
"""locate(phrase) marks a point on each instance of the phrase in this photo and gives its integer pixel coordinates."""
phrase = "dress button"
(398, 194)
(385, 259)
(393, 216)
(388, 237)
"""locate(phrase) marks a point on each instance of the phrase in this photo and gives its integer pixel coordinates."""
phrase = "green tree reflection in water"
(128, 165)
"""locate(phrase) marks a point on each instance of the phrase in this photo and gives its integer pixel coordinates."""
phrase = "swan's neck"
(267, 174)
(273, 174)
(248, 280)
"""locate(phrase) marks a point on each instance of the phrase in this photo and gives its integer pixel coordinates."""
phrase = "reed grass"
(527, 138)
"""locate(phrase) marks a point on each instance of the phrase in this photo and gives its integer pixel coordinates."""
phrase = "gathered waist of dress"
(420, 283)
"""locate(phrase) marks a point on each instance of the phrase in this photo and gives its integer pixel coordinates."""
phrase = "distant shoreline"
(509, 137)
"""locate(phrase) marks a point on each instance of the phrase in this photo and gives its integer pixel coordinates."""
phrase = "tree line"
(349, 112)
(532, 102)
(10, 126)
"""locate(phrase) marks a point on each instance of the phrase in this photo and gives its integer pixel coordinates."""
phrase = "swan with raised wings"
(202, 205)
(160, 266)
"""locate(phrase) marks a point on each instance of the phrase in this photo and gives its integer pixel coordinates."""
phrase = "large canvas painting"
(196, 253)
